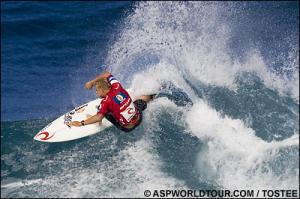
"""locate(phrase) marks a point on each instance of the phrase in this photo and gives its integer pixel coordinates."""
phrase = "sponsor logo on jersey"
(120, 98)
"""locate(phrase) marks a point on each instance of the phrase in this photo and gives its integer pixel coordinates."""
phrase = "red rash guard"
(119, 103)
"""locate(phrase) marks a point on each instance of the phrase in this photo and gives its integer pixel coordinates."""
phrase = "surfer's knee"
(140, 104)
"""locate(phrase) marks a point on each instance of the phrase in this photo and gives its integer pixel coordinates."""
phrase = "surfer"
(116, 106)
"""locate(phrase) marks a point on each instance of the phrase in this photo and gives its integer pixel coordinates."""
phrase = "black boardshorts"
(140, 105)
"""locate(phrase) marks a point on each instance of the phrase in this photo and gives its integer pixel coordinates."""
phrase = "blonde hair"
(102, 84)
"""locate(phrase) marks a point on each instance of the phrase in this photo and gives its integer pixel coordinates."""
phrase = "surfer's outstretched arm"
(104, 75)
(91, 120)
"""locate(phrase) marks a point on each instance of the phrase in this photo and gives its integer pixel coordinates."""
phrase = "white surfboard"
(59, 131)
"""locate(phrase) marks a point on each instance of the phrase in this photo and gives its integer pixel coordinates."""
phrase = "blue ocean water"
(228, 117)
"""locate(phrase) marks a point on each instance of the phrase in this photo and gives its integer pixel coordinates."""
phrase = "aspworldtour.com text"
(222, 193)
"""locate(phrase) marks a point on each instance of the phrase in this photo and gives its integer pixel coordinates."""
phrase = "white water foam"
(235, 157)
(135, 170)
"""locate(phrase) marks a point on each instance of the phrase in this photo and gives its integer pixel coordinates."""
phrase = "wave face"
(227, 116)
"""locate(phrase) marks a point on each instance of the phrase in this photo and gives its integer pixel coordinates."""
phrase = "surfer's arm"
(91, 120)
(91, 83)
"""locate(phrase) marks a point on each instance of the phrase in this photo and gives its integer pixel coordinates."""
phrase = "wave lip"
(201, 39)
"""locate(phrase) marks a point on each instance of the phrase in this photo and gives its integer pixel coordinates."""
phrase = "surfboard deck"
(59, 131)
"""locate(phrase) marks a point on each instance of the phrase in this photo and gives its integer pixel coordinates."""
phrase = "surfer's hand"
(75, 123)
(89, 85)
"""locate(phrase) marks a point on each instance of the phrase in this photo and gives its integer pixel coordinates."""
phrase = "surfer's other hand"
(76, 123)
(89, 85)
